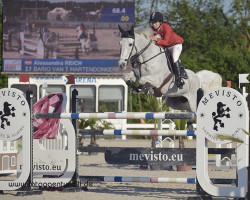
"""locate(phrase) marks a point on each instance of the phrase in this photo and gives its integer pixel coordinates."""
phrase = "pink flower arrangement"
(47, 128)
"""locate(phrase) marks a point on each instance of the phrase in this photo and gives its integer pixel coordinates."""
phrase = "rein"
(131, 52)
(134, 57)
(153, 57)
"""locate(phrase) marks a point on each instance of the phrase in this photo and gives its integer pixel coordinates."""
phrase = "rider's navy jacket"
(168, 36)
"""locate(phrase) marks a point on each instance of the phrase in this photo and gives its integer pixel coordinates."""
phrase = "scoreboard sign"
(63, 36)
(118, 14)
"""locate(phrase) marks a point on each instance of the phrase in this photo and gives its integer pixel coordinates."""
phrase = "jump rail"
(137, 179)
(150, 179)
(114, 115)
(138, 132)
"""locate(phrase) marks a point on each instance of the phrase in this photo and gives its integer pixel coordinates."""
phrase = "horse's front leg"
(88, 45)
(129, 78)
(150, 82)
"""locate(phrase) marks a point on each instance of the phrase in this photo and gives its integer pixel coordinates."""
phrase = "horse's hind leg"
(88, 43)
(82, 46)
(83, 49)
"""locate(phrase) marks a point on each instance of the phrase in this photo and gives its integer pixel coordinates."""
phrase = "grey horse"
(151, 70)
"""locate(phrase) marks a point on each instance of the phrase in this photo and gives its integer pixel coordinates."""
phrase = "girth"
(157, 91)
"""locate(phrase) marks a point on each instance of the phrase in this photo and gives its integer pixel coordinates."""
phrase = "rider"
(82, 27)
(169, 39)
(82, 32)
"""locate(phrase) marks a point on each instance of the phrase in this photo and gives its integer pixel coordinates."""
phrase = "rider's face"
(156, 25)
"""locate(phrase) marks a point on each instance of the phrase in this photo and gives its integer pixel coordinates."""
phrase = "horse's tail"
(209, 80)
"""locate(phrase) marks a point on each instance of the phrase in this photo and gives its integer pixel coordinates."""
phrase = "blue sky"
(227, 4)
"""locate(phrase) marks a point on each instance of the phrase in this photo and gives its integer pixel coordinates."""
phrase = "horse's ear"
(132, 32)
(120, 28)
(132, 29)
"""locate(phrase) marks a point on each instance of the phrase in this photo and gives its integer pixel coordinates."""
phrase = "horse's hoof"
(151, 91)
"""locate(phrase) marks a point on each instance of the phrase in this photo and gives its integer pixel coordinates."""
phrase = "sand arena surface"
(95, 165)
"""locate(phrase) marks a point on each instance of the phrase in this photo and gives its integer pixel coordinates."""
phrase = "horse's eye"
(130, 44)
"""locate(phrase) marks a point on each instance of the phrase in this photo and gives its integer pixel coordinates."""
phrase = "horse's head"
(127, 46)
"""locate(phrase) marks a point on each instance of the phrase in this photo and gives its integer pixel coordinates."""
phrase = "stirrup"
(179, 83)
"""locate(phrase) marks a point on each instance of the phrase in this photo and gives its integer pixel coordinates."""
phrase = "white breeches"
(175, 51)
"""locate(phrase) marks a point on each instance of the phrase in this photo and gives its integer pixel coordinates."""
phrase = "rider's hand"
(153, 38)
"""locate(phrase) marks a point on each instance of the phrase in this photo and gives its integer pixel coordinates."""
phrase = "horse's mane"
(146, 32)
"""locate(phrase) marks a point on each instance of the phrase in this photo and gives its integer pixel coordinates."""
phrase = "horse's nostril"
(122, 65)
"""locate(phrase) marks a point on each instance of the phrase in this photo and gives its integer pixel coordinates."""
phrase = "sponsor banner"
(222, 111)
(165, 156)
(63, 79)
(61, 66)
(14, 114)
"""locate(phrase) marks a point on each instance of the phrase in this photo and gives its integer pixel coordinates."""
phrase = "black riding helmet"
(156, 17)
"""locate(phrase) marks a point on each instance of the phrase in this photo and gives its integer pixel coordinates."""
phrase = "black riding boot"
(178, 81)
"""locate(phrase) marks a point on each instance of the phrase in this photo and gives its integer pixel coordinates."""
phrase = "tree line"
(214, 38)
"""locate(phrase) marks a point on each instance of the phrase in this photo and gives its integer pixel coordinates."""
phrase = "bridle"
(135, 57)
(129, 57)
